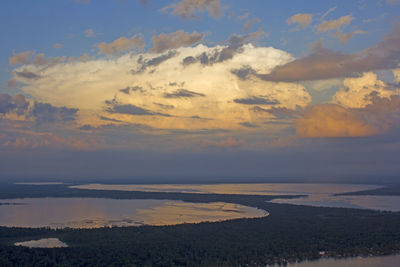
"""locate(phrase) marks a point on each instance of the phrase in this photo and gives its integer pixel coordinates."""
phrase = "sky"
(200, 90)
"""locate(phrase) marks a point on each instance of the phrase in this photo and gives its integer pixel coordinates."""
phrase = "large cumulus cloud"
(190, 92)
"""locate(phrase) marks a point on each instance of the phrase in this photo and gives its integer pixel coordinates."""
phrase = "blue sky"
(214, 79)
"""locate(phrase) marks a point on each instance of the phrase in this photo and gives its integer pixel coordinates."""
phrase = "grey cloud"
(86, 127)
(323, 63)
(244, 72)
(125, 90)
(182, 93)
(285, 113)
(109, 119)
(234, 46)
(130, 109)
(128, 89)
(256, 100)
(155, 61)
(27, 75)
(188, 60)
(47, 113)
(9, 104)
(164, 42)
(248, 124)
(163, 106)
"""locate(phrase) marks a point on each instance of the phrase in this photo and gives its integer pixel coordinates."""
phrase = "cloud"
(256, 100)
(247, 124)
(153, 62)
(130, 109)
(393, 2)
(356, 92)
(332, 121)
(186, 9)
(235, 45)
(11, 84)
(323, 63)
(20, 58)
(13, 104)
(47, 113)
(301, 20)
(27, 75)
(344, 37)
(244, 72)
(58, 46)
(164, 42)
(129, 89)
(109, 119)
(163, 106)
(182, 93)
(89, 33)
(334, 24)
(41, 60)
(282, 112)
(120, 45)
(250, 22)
(88, 85)
(396, 75)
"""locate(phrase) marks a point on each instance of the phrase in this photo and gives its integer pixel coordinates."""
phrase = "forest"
(290, 233)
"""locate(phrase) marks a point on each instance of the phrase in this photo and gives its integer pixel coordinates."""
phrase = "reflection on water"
(40, 183)
(179, 212)
(387, 203)
(317, 194)
(43, 243)
(98, 212)
(242, 189)
(383, 261)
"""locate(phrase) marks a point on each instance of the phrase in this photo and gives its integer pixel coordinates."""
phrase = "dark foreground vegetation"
(290, 233)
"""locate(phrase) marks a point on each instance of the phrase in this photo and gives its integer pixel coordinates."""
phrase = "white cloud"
(88, 85)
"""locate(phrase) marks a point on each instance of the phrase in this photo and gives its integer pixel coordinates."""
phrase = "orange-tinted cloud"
(323, 63)
(186, 9)
(301, 20)
(344, 37)
(20, 58)
(164, 42)
(334, 24)
(121, 44)
(329, 120)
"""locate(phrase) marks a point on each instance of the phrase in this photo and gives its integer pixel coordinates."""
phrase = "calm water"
(242, 189)
(384, 261)
(43, 243)
(99, 212)
(386, 203)
(317, 194)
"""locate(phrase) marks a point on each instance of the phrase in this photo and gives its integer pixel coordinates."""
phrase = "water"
(384, 203)
(383, 261)
(43, 243)
(100, 212)
(322, 195)
(242, 189)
